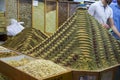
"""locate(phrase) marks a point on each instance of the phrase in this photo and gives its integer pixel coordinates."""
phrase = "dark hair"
(108, 1)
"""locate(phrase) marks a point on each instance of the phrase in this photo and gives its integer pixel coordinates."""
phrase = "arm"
(113, 26)
(111, 22)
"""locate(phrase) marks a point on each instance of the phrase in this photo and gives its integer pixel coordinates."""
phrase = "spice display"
(42, 68)
(2, 22)
(19, 62)
(3, 49)
(80, 44)
(25, 12)
(38, 22)
(11, 10)
(4, 52)
(25, 40)
(20, 9)
(7, 54)
(63, 11)
(51, 15)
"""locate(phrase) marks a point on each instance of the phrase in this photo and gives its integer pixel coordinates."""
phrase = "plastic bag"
(14, 28)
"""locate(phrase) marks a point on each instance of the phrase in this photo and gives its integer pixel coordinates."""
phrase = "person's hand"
(119, 35)
(106, 26)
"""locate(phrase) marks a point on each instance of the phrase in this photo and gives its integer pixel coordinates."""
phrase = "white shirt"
(100, 12)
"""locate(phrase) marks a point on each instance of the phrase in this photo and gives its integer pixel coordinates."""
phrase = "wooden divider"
(16, 74)
(61, 76)
(101, 74)
(78, 74)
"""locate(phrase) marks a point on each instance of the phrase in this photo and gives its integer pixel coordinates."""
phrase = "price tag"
(35, 3)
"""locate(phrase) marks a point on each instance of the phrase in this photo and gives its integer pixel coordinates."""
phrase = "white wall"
(2, 5)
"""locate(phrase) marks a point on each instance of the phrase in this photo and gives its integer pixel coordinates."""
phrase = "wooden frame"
(77, 74)
(18, 10)
(44, 16)
(45, 1)
(96, 73)
(62, 76)
(57, 12)
(32, 14)
(4, 14)
(68, 9)
(16, 74)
